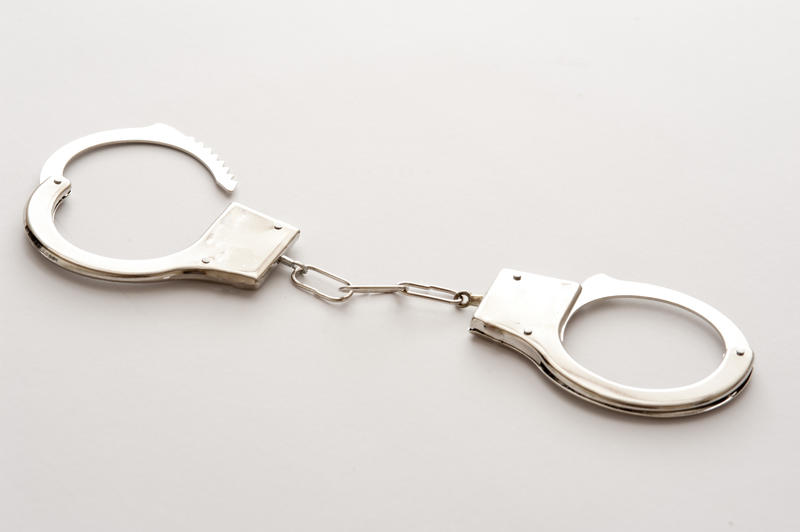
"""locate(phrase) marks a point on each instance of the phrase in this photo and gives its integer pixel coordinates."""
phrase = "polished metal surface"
(159, 134)
(437, 293)
(529, 313)
(300, 270)
(461, 298)
(239, 248)
(374, 288)
(526, 312)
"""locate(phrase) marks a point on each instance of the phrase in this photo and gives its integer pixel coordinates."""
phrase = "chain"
(461, 298)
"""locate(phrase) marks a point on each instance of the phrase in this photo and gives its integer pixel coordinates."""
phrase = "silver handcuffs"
(524, 311)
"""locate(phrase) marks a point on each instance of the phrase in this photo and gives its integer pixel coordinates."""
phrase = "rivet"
(57, 180)
(528, 332)
(278, 226)
(517, 277)
(740, 352)
(205, 260)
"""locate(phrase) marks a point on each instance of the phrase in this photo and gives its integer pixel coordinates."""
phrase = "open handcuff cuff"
(524, 311)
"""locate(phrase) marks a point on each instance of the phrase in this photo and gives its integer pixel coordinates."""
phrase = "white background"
(410, 141)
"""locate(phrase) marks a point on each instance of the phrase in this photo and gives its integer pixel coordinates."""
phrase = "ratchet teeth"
(158, 133)
(221, 172)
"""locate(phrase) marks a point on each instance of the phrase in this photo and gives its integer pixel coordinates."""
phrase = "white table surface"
(434, 142)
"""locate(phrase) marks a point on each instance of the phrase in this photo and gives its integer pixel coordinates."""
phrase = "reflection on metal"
(526, 312)
(529, 313)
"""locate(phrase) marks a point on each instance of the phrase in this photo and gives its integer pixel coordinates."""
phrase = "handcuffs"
(524, 311)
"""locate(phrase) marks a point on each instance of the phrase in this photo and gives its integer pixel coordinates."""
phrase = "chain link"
(461, 298)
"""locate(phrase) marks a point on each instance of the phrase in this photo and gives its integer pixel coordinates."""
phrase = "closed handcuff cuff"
(524, 311)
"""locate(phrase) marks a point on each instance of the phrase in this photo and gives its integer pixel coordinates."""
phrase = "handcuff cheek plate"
(529, 313)
(239, 248)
